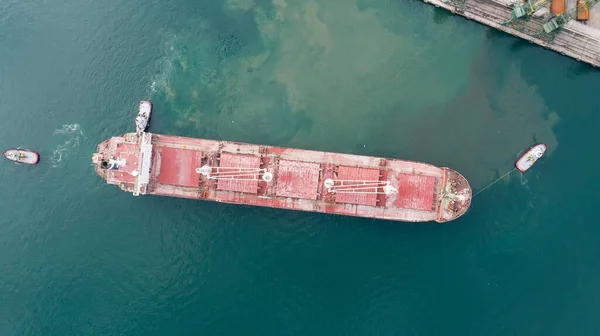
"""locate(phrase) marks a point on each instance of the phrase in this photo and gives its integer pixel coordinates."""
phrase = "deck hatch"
(239, 173)
(178, 166)
(359, 176)
(297, 179)
(415, 192)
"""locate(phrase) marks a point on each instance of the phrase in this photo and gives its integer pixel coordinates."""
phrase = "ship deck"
(286, 178)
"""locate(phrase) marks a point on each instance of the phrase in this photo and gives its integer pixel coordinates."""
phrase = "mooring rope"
(491, 184)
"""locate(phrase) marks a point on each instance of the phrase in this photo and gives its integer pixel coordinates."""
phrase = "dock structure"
(574, 32)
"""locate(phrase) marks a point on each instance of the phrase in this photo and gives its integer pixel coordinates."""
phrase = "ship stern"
(125, 161)
(456, 195)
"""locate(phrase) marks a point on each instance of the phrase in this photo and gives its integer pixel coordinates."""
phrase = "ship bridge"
(144, 164)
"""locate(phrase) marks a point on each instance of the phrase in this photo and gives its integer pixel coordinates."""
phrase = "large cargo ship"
(285, 178)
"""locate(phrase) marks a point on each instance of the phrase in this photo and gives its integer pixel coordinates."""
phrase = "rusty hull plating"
(285, 178)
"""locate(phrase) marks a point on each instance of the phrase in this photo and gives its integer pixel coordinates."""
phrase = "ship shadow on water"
(495, 35)
(441, 15)
(520, 45)
(578, 69)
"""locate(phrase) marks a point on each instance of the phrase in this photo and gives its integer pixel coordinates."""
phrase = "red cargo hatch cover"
(359, 174)
(297, 179)
(243, 183)
(415, 191)
(178, 167)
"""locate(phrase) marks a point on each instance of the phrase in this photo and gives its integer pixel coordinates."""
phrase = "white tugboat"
(530, 157)
(143, 116)
(21, 156)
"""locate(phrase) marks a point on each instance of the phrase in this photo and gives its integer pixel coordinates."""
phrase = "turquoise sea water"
(375, 77)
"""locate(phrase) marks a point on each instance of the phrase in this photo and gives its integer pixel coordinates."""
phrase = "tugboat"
(143, 116)
(530, 157)
(21, 156)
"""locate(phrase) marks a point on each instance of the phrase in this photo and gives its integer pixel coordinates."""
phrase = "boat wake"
(524, 182)
(165, 66)
(74, 135)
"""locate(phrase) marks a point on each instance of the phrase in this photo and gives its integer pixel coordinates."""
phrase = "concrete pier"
(577, 40)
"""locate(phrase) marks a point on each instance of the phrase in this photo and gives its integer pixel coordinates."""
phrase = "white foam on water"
(74, 134)
(524, 182)
(68, 128)
(164, 66)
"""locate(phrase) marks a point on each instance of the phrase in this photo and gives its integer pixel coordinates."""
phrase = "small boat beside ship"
(21, 156)
(142, 119)
(528, 159)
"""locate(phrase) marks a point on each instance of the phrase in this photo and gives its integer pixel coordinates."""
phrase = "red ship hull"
(285, 178)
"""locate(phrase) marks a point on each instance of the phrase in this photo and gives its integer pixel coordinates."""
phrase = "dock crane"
(522, 13)
(551, 28)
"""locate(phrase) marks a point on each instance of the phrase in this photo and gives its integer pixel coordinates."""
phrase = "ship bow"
(455, 197)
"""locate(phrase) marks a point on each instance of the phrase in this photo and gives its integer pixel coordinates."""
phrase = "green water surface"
(375, 77)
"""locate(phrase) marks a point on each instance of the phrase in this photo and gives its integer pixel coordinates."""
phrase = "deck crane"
(551, 28)
(522, 13)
